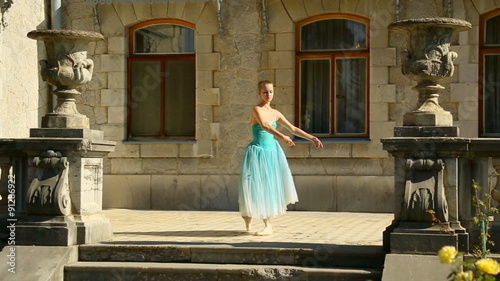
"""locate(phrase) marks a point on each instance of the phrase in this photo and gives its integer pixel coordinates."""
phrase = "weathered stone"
(204, 79)
(51, 267)
(383, 93)
(142, 11)
(176, 9)
(200, 149)
(331, 150)
(484, 6)
(113, 97)
(110, 63)
(285, 77)
(127, 191)
(281, 59)
(207, 22)
(175, 192)
(126, 14)
(111, 24)
(113, 132)
(117, 80)
(117, 115)
(364, 193)
(331, 6)
(66, 133)
(280, 21)
(204, 44)
(468, 73)
(83, 24)
(159, 150)
(193, 10)
(313, 7)
(208, 61)
(125, 166)
(379, 112)
(417, 267)
(380, 38)
(125, 150)
(426, 131)
(383, 57)
(295, 9)
(379, 75)
(316, 193)
(209, 96)
(219, 192)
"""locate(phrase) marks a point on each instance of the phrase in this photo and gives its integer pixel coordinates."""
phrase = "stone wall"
(347, 175)
(23, 96)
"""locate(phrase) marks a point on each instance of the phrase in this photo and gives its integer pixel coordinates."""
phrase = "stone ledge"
(426, 131)
(66, 133)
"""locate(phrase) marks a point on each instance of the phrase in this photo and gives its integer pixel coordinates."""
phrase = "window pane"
(145, 98)
(180, 98)
(315, 95)
(350, 93)
(164, 39)
(333, 34)
(492, 94)
(493, 31)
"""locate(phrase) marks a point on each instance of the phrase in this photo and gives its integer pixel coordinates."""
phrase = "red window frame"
(332, 55)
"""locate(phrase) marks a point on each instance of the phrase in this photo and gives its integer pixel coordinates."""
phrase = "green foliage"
(483, 211)
(479, 268)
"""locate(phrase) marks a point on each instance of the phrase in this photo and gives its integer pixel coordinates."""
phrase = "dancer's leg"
(268, 229)
(248, 223)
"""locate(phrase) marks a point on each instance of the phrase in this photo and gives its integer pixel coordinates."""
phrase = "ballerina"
(266, 185)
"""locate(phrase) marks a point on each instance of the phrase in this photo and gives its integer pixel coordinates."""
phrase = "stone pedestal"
(64, 198)
(426, 179)
(52, 120)
(428, 118)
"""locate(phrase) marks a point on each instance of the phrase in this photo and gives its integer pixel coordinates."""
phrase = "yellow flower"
(447, 254)
(464, 276)
(488, 266)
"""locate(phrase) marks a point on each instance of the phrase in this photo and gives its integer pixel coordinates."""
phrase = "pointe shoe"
(265, 232)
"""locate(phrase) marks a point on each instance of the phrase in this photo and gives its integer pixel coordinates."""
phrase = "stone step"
(310, 255)
(138, 271)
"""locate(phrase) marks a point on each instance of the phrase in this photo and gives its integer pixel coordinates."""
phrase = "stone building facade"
(234, 47)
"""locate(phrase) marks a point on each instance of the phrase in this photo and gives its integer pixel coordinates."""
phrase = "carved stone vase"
(67, 67)
(428, 60)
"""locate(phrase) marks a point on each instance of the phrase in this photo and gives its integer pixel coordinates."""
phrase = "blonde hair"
(262, 83)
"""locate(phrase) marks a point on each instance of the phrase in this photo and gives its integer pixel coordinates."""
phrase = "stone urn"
(428, 59)
(67, 67)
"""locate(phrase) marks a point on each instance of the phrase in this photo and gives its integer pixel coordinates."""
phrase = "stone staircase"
(221, 262)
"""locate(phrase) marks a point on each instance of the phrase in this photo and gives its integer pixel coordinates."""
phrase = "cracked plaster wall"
(23, 96)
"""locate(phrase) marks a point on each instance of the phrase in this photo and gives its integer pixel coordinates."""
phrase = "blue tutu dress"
(266, 185)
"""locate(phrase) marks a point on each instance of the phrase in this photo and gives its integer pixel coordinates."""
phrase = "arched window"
(489, 75)
(332, 75)
(161, 81)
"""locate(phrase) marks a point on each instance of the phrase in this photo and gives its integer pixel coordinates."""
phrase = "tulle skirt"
(266, 184)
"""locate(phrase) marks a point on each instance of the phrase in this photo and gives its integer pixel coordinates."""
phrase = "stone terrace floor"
(150, 227)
